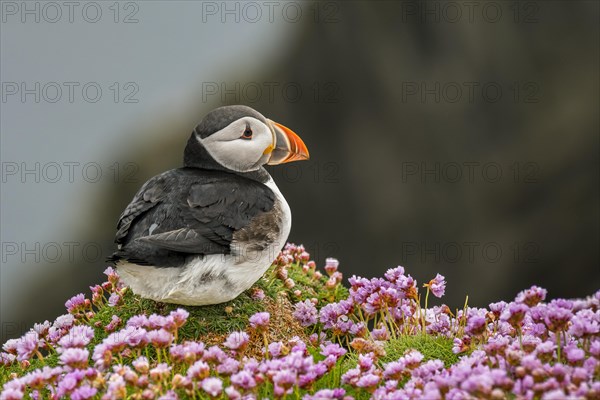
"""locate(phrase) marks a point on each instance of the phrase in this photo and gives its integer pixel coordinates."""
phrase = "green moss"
(432, 347)
(308, 284)
(203, 320)
(50, 360)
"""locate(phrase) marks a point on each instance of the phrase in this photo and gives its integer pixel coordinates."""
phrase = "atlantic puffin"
(204, 233)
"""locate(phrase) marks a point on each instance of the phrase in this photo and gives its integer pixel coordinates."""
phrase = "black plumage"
(188, 212)
(220, 117)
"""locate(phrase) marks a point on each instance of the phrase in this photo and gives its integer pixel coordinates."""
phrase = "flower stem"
(558, 346)
(424, 311)
(266, 342)
(39, 355)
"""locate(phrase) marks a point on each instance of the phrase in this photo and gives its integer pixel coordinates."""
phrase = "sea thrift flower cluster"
(306, 275)
(528, 348)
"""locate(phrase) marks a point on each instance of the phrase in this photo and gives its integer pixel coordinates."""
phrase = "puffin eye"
(247, 133)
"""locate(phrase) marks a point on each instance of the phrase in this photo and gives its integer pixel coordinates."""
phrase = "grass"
(14, 370)
(203, 320)
(432, 347)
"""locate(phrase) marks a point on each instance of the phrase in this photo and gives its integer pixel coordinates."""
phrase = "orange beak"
(287, 147)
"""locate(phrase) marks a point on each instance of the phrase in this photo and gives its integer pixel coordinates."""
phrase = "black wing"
(188, 212)
(152, 192)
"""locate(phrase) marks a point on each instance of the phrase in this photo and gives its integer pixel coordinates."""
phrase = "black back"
(189, 212)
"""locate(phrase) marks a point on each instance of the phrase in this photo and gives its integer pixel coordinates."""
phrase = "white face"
(244, 145)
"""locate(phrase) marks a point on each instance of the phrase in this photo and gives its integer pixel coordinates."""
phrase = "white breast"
(286, 223)
(211, 279)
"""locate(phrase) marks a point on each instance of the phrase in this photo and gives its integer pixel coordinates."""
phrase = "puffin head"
(240, 139)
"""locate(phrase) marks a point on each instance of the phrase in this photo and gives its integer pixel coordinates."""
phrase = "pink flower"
(12, 394)
(284, 380)
(112, 275)
(305, 312)
(237, 340)
(259, 320)
(138, 321)
(332, 349)
(160, 338)
(212, 386)
(229, 366)
(161, 371)
(276, 349)
(437, 286)
(331, 265)
(75, 357)
(113, 324)
(198, 370)
(179, 316)
(327, 394)
(289, 283)
(394, 274)
(258, 294)
(78, 336)
(243, 380)
(114, 299)
(532, 296)
(141, 365)
(380, 333)
(368, 381)
(187, 351)
(574, 355)
(134, 337)
(170, 395)
(27, 345)
(7, 359)
(514, 314)
(232, 393)
(76, 303)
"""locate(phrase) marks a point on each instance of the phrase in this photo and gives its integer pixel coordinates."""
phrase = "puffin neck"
(196, 156)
